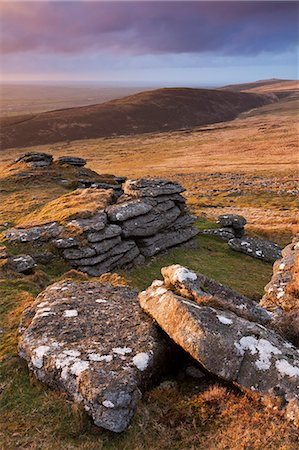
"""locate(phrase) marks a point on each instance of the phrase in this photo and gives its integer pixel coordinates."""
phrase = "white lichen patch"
(47, 313)
(263, 347)
(108, 404)
(194, 305)
(285, 368)
(182, 274)
(157, 283)
(42, 304)
(141, 361)
(79, 367)
(122, 350)
(242, 306)
(70, 313)
(97, 357)
(38, 355)
(74, 353)
(160, 291)
(224, 320)
(100, 300)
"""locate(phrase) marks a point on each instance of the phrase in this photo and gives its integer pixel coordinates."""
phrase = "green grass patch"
(214, 259)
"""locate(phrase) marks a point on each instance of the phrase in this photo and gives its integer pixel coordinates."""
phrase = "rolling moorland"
(249, 166)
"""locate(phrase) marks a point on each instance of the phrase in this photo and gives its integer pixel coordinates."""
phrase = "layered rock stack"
(230, 226)
(36, 159)
(149, 217)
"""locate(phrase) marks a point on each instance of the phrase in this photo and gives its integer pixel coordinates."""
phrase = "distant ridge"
(149, 111)
(272, 86)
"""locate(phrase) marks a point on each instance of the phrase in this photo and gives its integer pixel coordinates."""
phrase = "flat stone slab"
(93, 342)
(233, 348)
(166, 239)
(196, 286)
(150, 223)
(72, 161)
(257, 248)
(127, 210)
(151, 187)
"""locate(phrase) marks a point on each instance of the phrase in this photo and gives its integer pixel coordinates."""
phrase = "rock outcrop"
(15, 264)
(282, 292)
(72, 161)
(223, 341)
(68, 171)
(97, 232)
(93, 342)
(198, 287)
(258, 248)
(230, 226)
(35, 159)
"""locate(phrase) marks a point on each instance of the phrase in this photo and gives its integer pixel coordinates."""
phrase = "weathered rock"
(72, 161)
(76, 253)
(124, 253)
(22, 263)
(232, 220)
(229, 346)
(225, 234)
(184, 221)
(42, 233)
(108, 232)
(35, 159)
(151, 187)
(107, 244)
(127, 210)
(198, 287)
(282, 292)
(166, 239)
(150, 223)
(93, 342)
(258, 248)
(95, 223)
(84, 231)
(66, 242)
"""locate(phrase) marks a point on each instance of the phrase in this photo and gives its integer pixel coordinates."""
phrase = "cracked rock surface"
(94, 342)
(226, 344)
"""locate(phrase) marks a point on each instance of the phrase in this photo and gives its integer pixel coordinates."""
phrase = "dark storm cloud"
(245, 28)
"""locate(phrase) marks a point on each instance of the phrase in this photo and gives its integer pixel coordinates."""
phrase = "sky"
(159, 43)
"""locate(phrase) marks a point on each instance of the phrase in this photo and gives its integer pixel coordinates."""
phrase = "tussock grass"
(75, 204)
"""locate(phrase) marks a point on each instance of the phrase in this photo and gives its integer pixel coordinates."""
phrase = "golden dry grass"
(78, 203)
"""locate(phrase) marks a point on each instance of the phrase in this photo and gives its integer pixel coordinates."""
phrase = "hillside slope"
(281, 88)
(149, 111)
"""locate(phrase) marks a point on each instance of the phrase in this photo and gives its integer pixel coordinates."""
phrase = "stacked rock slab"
(154, 213)
(223, 341)
(93, 342)
(150, 217)
(230, 226)
(36, 159)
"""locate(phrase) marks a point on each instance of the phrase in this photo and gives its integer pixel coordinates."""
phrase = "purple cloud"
(245, 28)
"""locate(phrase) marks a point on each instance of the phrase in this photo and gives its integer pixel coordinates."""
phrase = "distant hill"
(150, 111)
(280, 88)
